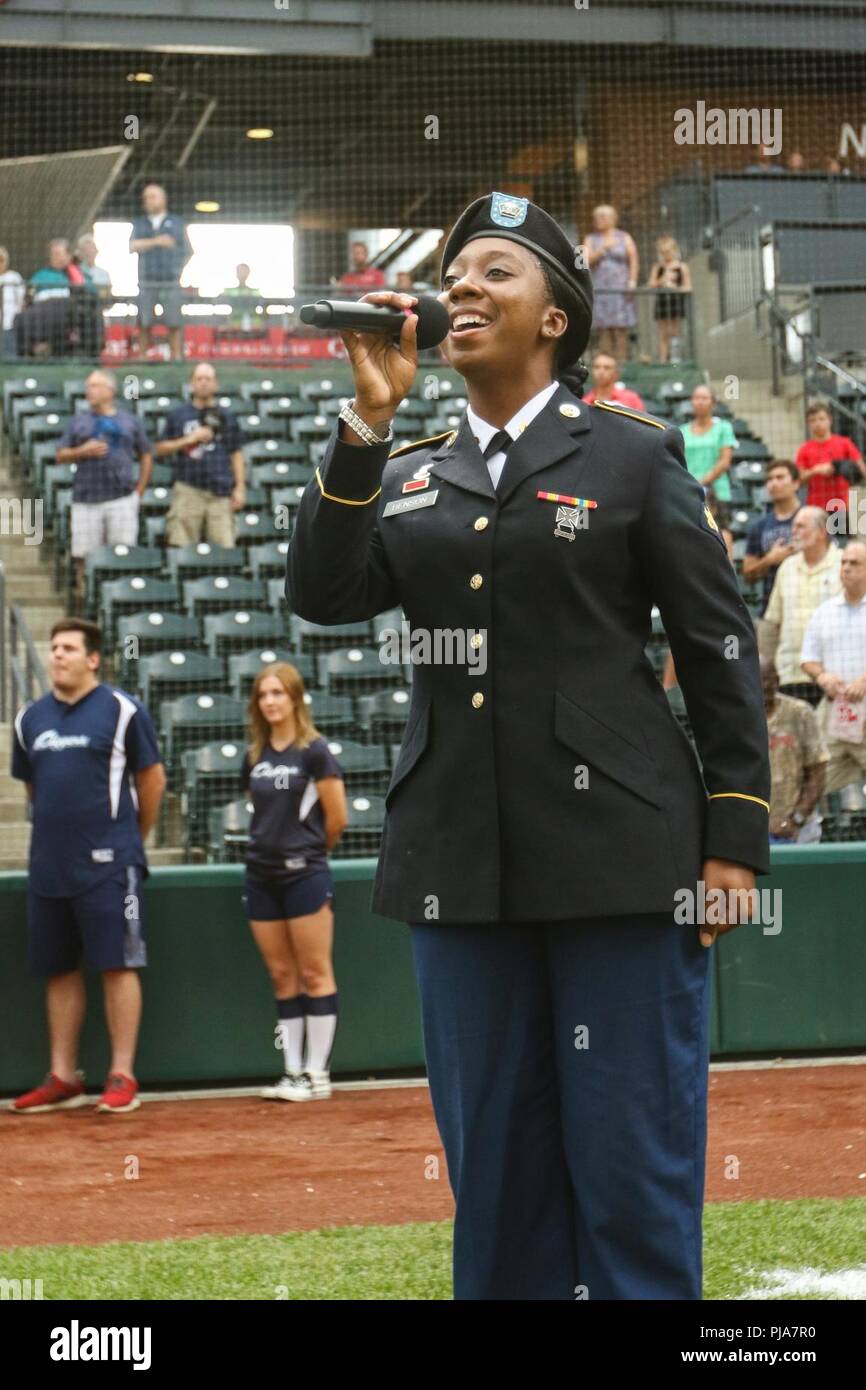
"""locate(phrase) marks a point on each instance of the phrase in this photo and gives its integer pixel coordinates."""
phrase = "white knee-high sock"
(321, 1021)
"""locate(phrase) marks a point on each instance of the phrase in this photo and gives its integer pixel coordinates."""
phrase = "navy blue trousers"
(568, 1070)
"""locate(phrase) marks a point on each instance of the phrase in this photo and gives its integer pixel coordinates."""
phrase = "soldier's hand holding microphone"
(383, 369)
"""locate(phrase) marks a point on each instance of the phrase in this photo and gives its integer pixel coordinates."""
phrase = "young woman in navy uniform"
(299, 813)
(545, 807)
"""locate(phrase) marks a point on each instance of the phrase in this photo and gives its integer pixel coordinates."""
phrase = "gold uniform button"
(477, 700)
(476, 581)
(476, 640)
(481, 523)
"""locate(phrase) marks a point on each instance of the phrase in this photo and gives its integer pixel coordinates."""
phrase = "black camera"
(213, 419)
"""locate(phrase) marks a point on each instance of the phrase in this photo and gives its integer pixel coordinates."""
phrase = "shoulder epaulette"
(417, 443)
(632, 415)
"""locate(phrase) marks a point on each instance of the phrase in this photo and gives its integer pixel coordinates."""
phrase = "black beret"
(517, 219)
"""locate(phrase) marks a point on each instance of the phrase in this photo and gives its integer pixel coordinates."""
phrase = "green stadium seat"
(229, 831)
(191, 720)
(168, 675)
(382, 717)
(320, 390)
(283, 474)
(156, 501)
(114, 562)
(255, 426)
(210, 776)
(362, 836)
(41, 455)
(218, 593)
(38, 404)
(328, 637)
(37, 428)
(56, 475)
(245, 666)
(273, 451)
(357, 671)
(308, 429)
(147, 632)
(268, 561)
(132, 594)
(225, 633)
(256, 528)
(333, 715)
(195, 561)
(28, 385)
(366, 768)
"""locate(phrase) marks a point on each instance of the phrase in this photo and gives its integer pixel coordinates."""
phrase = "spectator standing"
(86, 252)
(162, 243)
(11, 302)
(243, 288)
(606, 385)
(709, 444)
(798, 761)
(768, 541)
(89, 756)
(834, 656)
(362, 275)
(819, 458)
(764, 163)
(670, 277)
(612, 258)
(803, 583)
(203, 441)
(113, 461)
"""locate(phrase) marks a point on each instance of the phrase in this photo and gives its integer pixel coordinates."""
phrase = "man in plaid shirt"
(113, 459)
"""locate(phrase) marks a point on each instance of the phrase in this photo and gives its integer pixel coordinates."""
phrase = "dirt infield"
(239, 1166)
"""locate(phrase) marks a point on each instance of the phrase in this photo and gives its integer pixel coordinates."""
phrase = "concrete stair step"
(12, 808)
(17, 556)
(15, 839)
(30, 588)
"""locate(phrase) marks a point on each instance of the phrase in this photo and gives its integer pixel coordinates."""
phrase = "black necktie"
(501, 440)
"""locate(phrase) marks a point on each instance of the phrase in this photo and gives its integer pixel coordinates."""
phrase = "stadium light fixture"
(260, 133)
(205, 206)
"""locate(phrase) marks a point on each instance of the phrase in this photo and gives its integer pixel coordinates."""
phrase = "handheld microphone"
(433, 320)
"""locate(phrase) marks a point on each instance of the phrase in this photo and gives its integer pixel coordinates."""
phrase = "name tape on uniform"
(408, 504)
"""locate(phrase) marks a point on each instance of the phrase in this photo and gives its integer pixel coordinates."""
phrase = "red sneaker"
(53, 1094)
(120, 1095)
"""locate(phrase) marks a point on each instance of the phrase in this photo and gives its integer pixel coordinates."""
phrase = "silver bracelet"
(363, 430)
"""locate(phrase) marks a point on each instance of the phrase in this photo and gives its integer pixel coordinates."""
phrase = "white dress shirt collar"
(484, 431)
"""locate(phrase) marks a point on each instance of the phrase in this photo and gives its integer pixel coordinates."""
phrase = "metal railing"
(21, 671)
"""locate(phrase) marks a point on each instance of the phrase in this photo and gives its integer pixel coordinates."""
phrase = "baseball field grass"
(813, 1249)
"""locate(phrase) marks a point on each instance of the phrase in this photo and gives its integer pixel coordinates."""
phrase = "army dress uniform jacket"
(556, 784)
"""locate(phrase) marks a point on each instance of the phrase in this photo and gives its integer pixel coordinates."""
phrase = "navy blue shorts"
(105, 925)
(275, 900)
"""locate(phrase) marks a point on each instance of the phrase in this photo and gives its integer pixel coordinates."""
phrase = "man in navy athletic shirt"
(769, 538)
(89, 756)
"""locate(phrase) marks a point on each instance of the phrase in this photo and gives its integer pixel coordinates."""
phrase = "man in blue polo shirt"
(89, 756)
(163, 247)
(203, 440)
(113, 460)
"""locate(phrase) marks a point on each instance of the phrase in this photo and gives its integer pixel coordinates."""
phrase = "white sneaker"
(319, 1083)
(287, 1088)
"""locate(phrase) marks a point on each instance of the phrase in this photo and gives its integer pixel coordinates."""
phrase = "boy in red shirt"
(817, 457)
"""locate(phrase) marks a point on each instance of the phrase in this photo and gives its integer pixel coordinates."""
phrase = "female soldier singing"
(549, 834)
